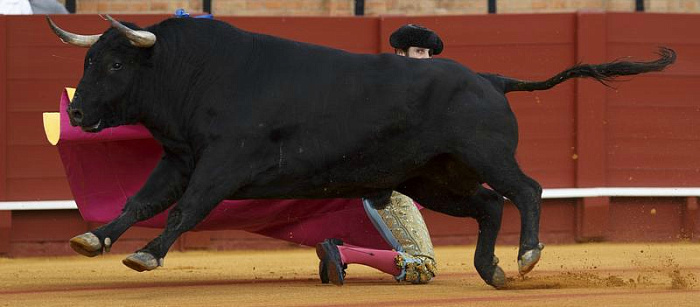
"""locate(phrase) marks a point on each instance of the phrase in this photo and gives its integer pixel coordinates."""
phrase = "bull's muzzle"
(75, 116)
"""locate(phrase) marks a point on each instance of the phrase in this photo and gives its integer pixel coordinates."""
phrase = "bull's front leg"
(210, 184)
(164, 186)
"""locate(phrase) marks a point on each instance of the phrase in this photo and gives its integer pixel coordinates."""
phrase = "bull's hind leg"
(486, 206)
(163, 187)
(505, 176)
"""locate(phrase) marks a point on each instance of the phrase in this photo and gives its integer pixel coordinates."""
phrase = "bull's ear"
(72, 38)
(138, 38)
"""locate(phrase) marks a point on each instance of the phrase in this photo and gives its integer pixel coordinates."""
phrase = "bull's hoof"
(498, 280)
(529, 259)
(492, 274)
(141, 261)
(86, 244)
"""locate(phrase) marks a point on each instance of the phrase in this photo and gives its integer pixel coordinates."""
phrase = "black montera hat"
(411, 35)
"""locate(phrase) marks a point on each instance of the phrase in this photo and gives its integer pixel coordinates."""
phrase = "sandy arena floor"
(568, 275)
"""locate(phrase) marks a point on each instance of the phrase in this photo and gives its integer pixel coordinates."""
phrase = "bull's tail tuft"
(603, 73)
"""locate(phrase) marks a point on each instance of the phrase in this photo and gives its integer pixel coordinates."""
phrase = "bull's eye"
(116, 66)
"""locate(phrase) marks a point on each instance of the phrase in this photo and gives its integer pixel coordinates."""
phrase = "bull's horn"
(138, 38)
(71, 38)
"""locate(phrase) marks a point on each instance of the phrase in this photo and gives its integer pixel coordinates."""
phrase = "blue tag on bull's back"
(179, 13)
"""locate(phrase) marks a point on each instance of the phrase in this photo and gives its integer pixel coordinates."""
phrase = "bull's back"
(325, 122)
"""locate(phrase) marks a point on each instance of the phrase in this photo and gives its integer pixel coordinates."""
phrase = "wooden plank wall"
(5, 216)
(652, 127)
(580, 134)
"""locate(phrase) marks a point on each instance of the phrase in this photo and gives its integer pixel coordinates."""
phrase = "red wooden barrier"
(5, 216)
(592, 213)
(579, 134)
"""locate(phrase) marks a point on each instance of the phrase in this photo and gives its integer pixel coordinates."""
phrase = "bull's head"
(112, 63)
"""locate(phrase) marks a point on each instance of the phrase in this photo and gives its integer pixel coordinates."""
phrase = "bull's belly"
(281, 192)
(345, 175)
(342, 181)
(360, 180)
(319, 186)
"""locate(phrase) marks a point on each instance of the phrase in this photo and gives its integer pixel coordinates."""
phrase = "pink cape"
(105, 168)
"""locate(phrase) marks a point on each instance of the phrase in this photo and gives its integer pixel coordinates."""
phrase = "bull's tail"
(603, 73)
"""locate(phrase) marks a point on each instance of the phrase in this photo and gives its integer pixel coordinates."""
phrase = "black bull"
(243, 116)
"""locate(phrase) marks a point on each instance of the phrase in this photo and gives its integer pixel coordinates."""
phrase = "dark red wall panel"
(652, 128)
(645, 219)
(5, 216)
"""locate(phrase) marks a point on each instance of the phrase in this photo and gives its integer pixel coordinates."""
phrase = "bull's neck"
(166, 116)
(182, 76)
(169, 109)
(161, 107)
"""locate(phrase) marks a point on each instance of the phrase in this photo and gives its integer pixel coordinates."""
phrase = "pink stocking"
(379, 259)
